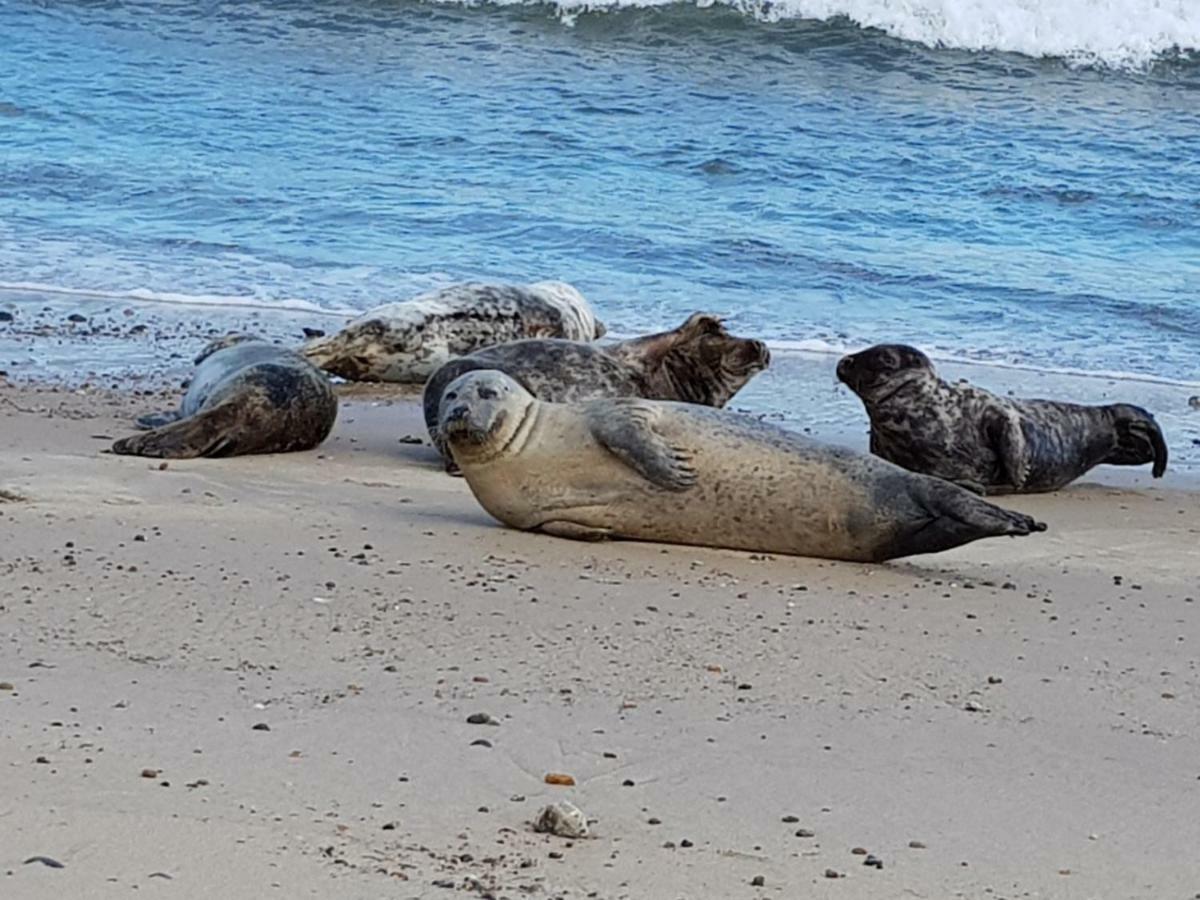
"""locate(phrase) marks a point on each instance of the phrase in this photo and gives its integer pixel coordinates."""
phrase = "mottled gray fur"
(698, 362)
(405, 342)
(247, 396)
(687, 474)
(985, 442)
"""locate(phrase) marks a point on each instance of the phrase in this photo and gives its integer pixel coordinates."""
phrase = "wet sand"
(251, 677)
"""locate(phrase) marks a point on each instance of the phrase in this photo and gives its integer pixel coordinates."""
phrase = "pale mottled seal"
(984, 442)
(406, 342)
(687, 474)
(698, 362)
(247, 396)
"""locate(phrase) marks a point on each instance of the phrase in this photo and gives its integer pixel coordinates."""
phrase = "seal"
(405, 342)
(247, 396)
(687, 474)
(984, 442)
(698, 362)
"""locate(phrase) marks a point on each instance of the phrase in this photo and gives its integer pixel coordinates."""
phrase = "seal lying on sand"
(987, 443)
(406, 342)
(687, 474)
(247, 396)
(698, 362)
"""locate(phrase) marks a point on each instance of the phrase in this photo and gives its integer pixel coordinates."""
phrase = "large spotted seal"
(247, 396)
(406, 342)
(687, 474)
(698, 362)
(984, 442)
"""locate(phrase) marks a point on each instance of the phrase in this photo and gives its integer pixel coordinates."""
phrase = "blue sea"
(1012, 185)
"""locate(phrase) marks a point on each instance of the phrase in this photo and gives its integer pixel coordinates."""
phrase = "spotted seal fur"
(406, 342)
(246, 396)
(687, 474)
(985, 442)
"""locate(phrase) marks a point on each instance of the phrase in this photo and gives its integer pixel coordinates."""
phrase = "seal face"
(247, 396)
(985, 442)
(698, 362)
(406, 342)
(688, 474)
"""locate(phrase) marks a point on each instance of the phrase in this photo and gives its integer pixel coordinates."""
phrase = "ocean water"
(1007, 182)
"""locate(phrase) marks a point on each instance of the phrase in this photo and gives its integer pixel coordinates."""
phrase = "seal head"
(882, 368)
(482, 413)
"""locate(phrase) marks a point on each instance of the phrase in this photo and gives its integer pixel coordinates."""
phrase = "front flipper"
(626, 429)
(574, 531)
(158, 419)
(1008, 442)
(211, 432)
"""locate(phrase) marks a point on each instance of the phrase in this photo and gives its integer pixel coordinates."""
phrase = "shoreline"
(709, 704)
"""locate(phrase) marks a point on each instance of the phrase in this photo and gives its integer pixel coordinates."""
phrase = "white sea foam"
(1127, 34)
(144, 295)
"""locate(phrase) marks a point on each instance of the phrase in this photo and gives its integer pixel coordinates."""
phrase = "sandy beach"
(251, 677)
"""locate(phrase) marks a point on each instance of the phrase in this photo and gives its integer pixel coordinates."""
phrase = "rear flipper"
(1139, 440)
(158, 419)
(954, 517)
(219, 431)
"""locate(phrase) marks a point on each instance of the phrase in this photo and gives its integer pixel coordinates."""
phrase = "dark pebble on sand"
(685, 843)
(43, 760)
(628, 782)
(260, 726)
(873, 861)
(859, 851)
(917, 845)
(745, 687)
(832, 873)
(995, 679)
(45, 861)
(389, 826)
(76, 317)
(653, 821)
(806, 832)
(790, 820)
(5, 316)
(481, 742)
(443, 883)
(554, 854)
(481, 718)
(757, 881)
(313, 332)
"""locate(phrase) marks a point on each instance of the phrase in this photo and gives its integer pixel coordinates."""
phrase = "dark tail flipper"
(212, 432)
(1139, 440)
(955, 517)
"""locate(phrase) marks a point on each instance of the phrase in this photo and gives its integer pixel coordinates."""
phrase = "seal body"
(985, 442)
(681, 473)
(698, 362)
(247, 396)
(406, 342)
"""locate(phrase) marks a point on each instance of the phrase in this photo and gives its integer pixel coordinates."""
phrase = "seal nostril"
(486, 393)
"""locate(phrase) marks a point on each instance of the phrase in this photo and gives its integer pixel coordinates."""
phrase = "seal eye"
(453, 395)
(891, 360)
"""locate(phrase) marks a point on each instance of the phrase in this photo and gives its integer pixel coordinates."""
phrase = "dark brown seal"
(984, 442)
(698, 362)
(247, 396)
(687, 474)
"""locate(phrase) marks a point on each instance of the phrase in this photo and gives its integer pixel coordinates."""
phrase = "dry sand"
(251, 678)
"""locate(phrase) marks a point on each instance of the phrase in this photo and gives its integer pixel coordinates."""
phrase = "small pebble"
(653, 821)
(859, 851)
(628, 782)
(150, 773)
(791, 820)
(806, 832)
(481, 742)
(832, 873)
(6, 686)
(995, 679)
(562, 819)
(481, 718)
(685, 843)
(559, 779)
(917, 845)
(873, 860)
(260, 726)
(555, 854)
(757, 881)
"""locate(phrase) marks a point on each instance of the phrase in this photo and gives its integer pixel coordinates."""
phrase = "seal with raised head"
(686, 474)
(405, 342)
(698, 362)
(988, 443)
(246, 396)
